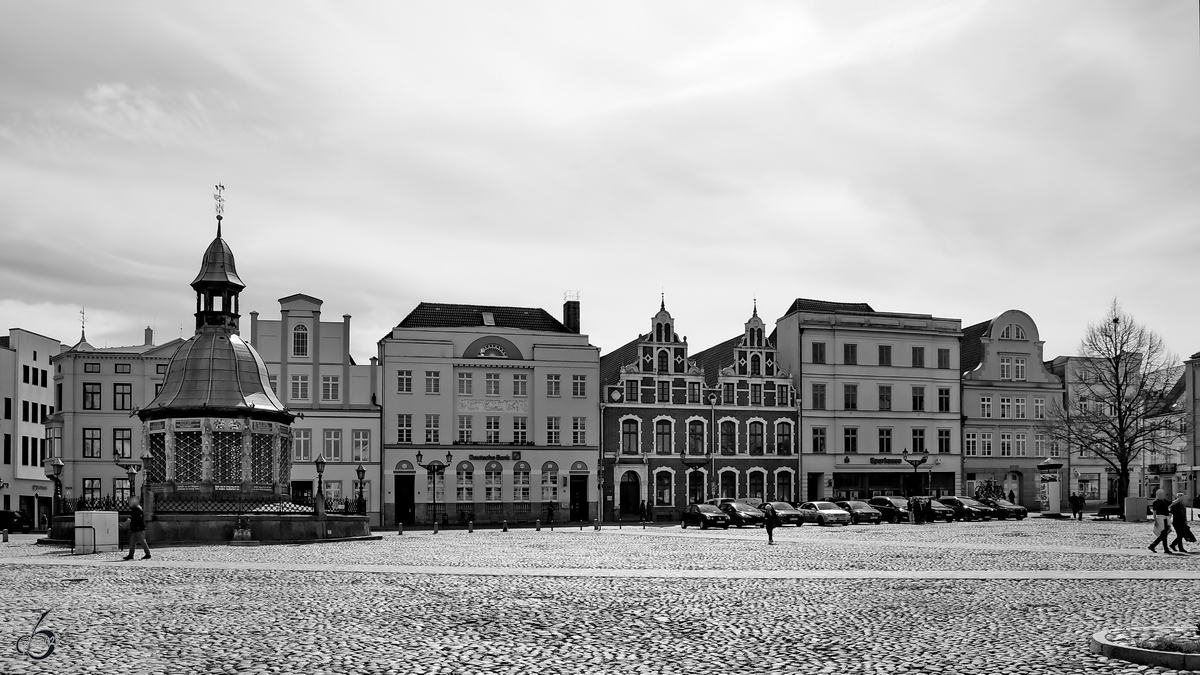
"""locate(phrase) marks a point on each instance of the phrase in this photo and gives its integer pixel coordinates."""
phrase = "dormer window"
(300, 341)
(1013, 331)
(489, 319)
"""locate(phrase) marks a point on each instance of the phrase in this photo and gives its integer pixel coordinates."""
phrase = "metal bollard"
(596, 524)
(470, 526)
(504, 525)
(400, 528)
(5, 536)
(435, 527)
(537, 524)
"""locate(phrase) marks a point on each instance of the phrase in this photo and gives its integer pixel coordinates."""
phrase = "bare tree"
(1116, 401)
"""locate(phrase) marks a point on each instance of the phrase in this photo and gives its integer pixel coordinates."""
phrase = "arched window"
(756, 438)
(464, 483)
(729, 485)
(435, 481)
(521, 482)
(1018, 332)
(663, 361)
(728, 438)
(695, 487)
(300, 340)
(696, 437)
(549, 482)
(755, 366)
(783, 486)
(662, 437)
(783, 438)
(662, 488)
(757, 486)
(492, 474)
(629, 437)
(658, 332)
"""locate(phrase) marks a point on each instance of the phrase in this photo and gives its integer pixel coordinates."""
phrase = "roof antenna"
(220, 204)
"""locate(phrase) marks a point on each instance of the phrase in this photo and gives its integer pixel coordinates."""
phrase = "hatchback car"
(16, 521)
(893, 509)
(704, 516)
(1005, 508)
(861, 512)
(743, 514)
(824, 513)
(787, 514)
(966, 508)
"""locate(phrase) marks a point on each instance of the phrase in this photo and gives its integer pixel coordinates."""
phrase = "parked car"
(1006, 509)
(893, 509)
(861, 512)
(704, 516)
(743, 514)
(966, 508)
(940, 510)
(717, 501)
(824, 513)
(16, 521)
(788, 514)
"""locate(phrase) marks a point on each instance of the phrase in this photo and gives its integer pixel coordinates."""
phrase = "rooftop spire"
(220, 205)
(83, 324)
(755, 306)
(662, 306)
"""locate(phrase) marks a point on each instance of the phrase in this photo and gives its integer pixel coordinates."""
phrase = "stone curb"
(1146, 657)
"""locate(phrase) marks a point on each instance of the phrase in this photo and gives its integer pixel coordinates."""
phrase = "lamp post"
(55, 474)
(362, 503)
(435, 469)
(917, 459)
(320, 462)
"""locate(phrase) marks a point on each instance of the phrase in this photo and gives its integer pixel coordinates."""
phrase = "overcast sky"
(954, 158)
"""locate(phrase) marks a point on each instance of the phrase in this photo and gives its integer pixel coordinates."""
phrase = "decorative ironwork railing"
(258, 504)
(69, 506)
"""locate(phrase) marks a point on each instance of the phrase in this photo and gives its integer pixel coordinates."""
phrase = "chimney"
(149, 336)
(571, 311)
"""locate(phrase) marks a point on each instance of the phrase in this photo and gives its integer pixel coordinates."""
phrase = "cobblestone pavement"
(202, 609)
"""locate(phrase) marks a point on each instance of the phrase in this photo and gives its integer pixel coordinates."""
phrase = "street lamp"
(320, 462)
(362, 503)
(916, 460)
(55, 474)
(435, 471)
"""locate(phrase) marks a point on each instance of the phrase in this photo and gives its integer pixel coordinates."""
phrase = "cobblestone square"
(996, 597)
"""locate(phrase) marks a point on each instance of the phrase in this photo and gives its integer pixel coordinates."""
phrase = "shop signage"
(187, 488)
(492, 405)
(262, 427)
(227, 488)
(35, 487)
(187, 424)
(885, 460)
(485, 457)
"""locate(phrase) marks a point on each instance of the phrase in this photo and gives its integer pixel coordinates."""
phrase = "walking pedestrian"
(137, 528)
(642, 512)
(1012, 496)
(1179, 521)
(1076, 504)
(1162, 527)
(770, 522)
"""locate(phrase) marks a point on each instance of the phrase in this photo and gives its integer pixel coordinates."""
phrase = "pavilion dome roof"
(217, 266)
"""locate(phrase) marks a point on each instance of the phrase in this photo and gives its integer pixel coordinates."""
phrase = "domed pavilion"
(216, 429)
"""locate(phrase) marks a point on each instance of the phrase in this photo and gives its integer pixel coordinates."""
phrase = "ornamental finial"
(220, 206)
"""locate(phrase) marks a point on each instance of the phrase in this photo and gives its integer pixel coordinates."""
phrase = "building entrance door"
(406, 505)
(631, 494)
(814, 486)
(579, 502)
(302, 490)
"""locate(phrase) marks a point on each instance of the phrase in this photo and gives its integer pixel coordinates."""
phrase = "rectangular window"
(91, 395)
(885, 397)
(123, 443)
(1006, 445)
(1019, 369)
(433, 428)
(492, 486)
(121, 489)
(520, 384)
(160, 369)
(579, 386)
(464, 486)
(850, 440)
(333, 490)
(465, 384)
(91, 489)
(302, 445)
(331, 388)
(943, 441)
(818, 439)
(91, 443)
(7, 408)
(818, 396)
(433, 382)
(944, 358)
(464, 428)
(403, 381)
(121, 368)
(850, 354)
(8, 449)
(333, 445)
(549, 486)
(492, 384)
(1039, 445)
(1019, 445)
(299, 387)
(553, 431)
(783, 438)
(985, 445)
(24, 411)
(885, 355)
(885, 441)
(578, 431)
(1005, 408)
(25, 451)
(520, 486)
(943, 399)
(1039, 408)
(756, 394)
(693, 392)
(631, 391)
(985, 406)
(91, 367)
(520, 430)
(850, 396)
(818, 352)
(491, 428)
(918, 357)
(553, 385)
(783, 395)
(365, 487)
(404, 428)
(918, 440)
(1006, 367)
(971, 444)
(918, 398)
(360, 445)
(1054, 452)
(25, 374)
(1019, 408)
(727, 397)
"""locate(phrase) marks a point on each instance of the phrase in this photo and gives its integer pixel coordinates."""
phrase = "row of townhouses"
(490, 413)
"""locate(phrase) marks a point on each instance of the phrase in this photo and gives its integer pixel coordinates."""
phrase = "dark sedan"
(1006, 509)
(16, 521)
(940, 510)
(861, 512)
(743, 514)
(787, 514)
(704, 516)
(893, 509)
(966, 508)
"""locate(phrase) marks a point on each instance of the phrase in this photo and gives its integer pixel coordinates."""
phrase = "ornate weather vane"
(83, 324)
(219, 198)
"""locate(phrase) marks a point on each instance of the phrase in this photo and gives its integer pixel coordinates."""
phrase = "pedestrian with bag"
(770, 522)
(1183, 532)
(1161, 508)
(137, 528)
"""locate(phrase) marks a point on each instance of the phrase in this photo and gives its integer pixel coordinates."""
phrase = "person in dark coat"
(1012, 496)
(770, 522)
(642, 511)
(1161, 508)
(137, 528)
(1179, 521)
